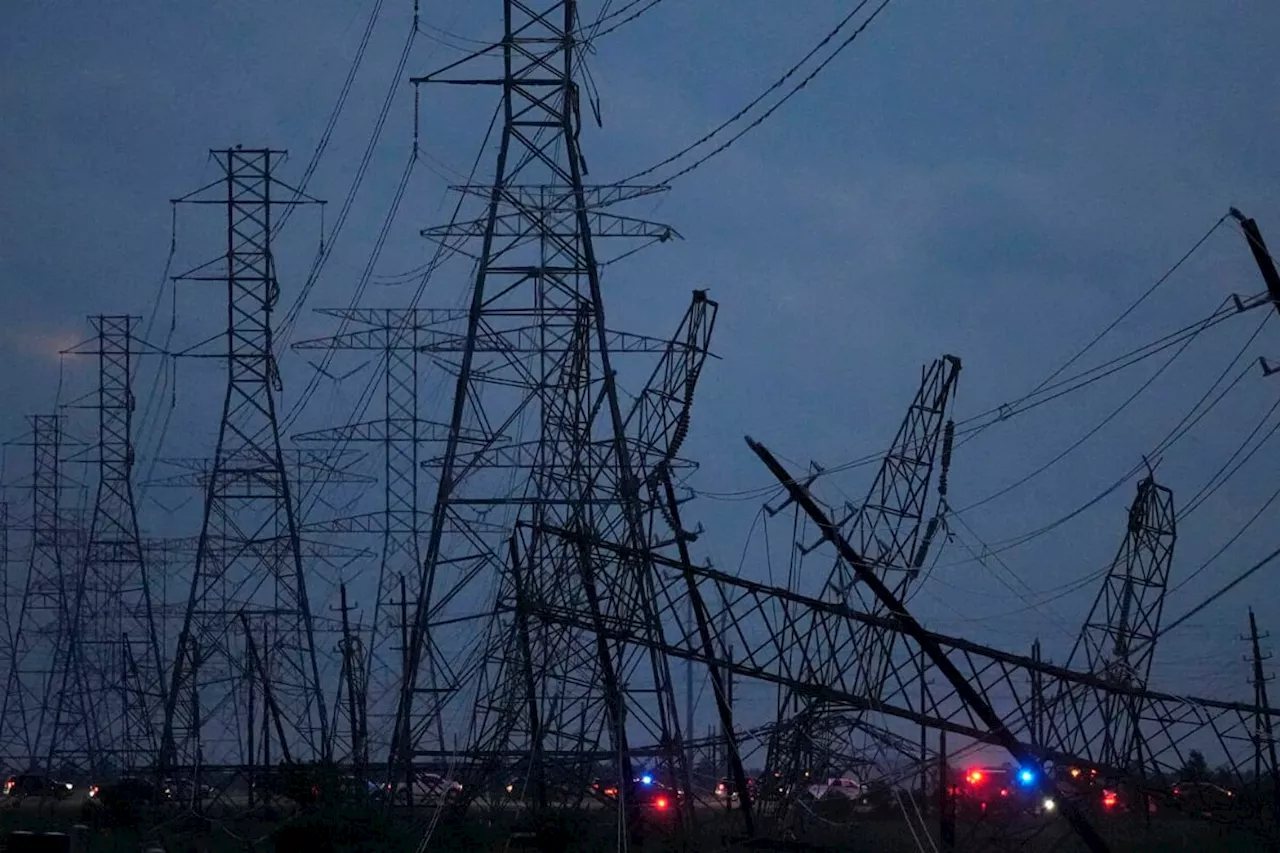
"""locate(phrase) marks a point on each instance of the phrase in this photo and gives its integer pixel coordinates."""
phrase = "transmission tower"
(248, 576)
(889, 529)
(529, 712)
(1118, 639)
(399, 335)
(549, 467)
(119, 648)
(42, 668)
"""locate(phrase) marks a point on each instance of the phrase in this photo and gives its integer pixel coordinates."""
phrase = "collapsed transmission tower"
(539, 462)
(43, 633)
(890, 531)
(118, 646)
(1118, 640)
(248, 579)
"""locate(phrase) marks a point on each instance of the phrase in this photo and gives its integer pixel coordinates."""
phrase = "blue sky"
(996, 180)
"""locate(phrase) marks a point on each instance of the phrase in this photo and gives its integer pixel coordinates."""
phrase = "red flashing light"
(974, 777)
(1004, 792)
(661, 802)
(1109, 799)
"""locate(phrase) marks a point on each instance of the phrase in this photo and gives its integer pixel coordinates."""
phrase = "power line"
(597, 33)
(967, 428)
(1134, 306)
(1243, 528)
(1239, 579)
(291, 317)
(1092, 432)
(777, 84)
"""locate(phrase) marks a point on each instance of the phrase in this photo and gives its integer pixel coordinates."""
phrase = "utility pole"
(249, 532)
(924, 731)
(352, 664)
(1266, 265)
(1037, 699)
(946, 801)
(1263, 732)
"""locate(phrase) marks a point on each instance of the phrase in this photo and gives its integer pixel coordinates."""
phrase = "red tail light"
(1109, 799)
(93, 791)
(661, 802)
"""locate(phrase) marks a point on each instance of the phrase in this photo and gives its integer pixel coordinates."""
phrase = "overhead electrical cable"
(777, 84)
(1243, 528)
(966, 427)
(1222, 475)
(1239, 579)
(597, 33)
(327, 134)
(437, 258)
(1093, 431)
(1133, 306)
(291, 316)
(1193, 416)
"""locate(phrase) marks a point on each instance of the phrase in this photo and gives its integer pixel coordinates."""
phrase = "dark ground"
(348, 830)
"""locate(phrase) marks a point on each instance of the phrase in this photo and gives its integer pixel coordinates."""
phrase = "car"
(427, 787)
(656, 799)
(36, 785)
(726, 790)
(1002, 790)
(122, 802)
(1205, 798)
(185, 790)
(843, 788)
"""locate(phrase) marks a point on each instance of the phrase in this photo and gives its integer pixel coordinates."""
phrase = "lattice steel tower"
(548, 471)
(399, 335)
(119, 648)
(39, 673)
(248, 578)
(1118, 639)
(890, 531)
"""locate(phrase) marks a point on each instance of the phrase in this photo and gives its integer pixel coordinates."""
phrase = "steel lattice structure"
(41, 667)
(248, 577)
(1118, 639)
(399, 335)
(119, 649)
(890, 530)
(968, 689)
(538, 436)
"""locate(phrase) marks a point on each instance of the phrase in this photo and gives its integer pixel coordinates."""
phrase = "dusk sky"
(997, 180)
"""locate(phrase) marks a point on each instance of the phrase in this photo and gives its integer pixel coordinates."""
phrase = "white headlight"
(1050, 805)
(69, 785)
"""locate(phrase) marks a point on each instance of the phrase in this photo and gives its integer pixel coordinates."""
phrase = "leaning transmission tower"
(247, 624)
(541, 485)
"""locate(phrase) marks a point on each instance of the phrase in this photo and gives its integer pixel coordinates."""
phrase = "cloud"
(45, 344)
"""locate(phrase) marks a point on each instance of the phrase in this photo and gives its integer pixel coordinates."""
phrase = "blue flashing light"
(646, 780)
(1026, 776)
